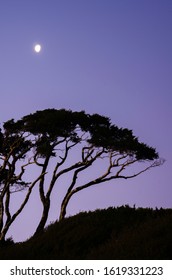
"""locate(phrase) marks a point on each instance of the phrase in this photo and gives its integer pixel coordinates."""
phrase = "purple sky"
(111, 57)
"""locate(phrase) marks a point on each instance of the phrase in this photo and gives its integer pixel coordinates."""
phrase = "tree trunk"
(63, 211)
(44, 217)
(3, 233)
(64, 206)
(1, 214)
(2, 237)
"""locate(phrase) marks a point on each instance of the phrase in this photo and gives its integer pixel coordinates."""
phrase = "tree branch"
(105, 178)
(14, 216)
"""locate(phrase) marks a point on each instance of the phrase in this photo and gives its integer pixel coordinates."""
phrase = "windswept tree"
(14, 147)
(46, 140)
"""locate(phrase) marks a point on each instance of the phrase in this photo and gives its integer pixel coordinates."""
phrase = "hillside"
(113, 233)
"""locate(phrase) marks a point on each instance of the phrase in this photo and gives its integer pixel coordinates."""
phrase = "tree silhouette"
(48, 137)
(13, 149)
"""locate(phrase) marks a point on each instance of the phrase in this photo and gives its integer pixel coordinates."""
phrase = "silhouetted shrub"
(113, 233)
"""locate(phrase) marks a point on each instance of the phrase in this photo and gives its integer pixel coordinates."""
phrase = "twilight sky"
(111, 57)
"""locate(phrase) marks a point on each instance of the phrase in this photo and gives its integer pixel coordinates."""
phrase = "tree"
(48, 137)
(13, 149)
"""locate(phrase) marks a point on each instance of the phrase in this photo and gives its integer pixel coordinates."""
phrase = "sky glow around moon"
(37, 48)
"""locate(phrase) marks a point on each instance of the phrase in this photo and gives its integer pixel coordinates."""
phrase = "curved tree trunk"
(3, 233)
(1, 214)
(64, 205)
(44, 217)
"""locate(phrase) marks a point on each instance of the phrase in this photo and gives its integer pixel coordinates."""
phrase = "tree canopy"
(37, 138)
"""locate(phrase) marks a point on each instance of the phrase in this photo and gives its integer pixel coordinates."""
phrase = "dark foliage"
(114, 233)
(52, 124)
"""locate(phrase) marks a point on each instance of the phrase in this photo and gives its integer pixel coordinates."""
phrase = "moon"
(37, 48)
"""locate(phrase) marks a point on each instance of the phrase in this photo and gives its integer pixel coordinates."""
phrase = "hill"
(113, 233)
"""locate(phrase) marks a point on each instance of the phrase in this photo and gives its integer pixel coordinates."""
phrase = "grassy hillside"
(114, 233)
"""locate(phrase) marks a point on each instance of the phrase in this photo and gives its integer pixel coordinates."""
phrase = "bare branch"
(36, 161)
(87, 152)
(19, 176)
(105, 178)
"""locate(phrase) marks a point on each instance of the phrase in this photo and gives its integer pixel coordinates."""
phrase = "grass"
(113, 233)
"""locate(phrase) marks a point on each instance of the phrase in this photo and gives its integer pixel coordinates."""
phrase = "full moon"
(37, 48)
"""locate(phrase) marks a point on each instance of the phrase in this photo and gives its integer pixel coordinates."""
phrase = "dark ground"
(114, 233)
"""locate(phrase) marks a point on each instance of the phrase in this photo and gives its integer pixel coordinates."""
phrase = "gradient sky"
(111, 57)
